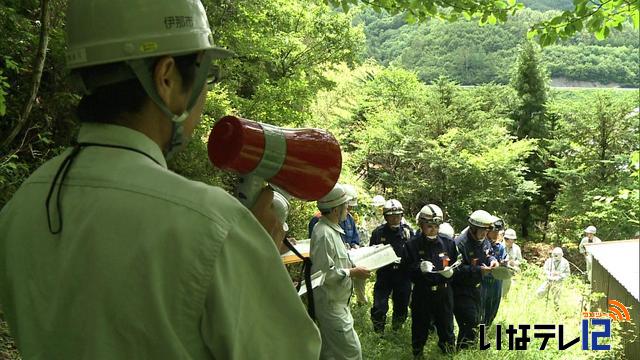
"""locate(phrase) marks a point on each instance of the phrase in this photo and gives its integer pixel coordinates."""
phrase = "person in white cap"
(329, 255)
(589, 238)
(513, 258)
(556, 269)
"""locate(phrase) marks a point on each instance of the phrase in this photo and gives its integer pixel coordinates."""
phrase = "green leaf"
(636, 19)
(345, 7)
(491, 19)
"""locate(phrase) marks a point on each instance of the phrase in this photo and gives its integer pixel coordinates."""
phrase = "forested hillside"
(472, 54)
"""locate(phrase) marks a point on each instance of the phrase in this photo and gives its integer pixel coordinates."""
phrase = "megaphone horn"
(305, 163)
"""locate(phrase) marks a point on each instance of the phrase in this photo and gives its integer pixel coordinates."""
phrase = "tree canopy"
(598, 17)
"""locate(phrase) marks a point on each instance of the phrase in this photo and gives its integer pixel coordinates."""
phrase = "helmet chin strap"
(143, 70)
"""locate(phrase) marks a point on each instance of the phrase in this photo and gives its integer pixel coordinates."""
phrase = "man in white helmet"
(429, 255)
(391, 280)
(513, 257)
(329, 255)
(589, 238)
(477, 261)
(107, 254)
(556, 269)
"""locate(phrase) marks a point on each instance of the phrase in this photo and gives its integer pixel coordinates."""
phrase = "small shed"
(616, 273)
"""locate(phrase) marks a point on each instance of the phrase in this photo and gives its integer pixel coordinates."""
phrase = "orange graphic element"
(618, 312)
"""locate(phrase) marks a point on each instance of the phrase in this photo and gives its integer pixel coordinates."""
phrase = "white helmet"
(590, 229)
(392, 207)
(281, 207)
(510, 234)
(481, 219)
(430, 214)
(557, 251)
(336, 197)
(352, 193)
(378, 201)
(446, 229)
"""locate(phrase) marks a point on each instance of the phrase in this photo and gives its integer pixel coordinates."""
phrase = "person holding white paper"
(329, 255)
(429, 256)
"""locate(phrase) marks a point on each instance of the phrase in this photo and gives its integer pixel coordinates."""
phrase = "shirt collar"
(123, 136)
(335, 227)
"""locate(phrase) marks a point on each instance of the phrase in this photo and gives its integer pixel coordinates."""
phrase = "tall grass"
(521, 306)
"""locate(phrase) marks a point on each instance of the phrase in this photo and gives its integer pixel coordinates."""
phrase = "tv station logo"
(594, 326)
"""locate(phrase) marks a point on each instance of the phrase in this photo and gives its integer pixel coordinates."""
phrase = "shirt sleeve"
(564, 271)
(581, 246)
(251, 296)
(375, 237)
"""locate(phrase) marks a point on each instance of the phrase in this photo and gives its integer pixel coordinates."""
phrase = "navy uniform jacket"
(474, 253)
(419, 248)
(351, 236)
(397, 238)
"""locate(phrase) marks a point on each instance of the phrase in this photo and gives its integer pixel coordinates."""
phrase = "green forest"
(455, 113)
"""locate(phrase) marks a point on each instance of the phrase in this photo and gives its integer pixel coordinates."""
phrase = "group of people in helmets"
(439, 276)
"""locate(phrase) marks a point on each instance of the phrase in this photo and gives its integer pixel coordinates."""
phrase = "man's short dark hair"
(106, 103)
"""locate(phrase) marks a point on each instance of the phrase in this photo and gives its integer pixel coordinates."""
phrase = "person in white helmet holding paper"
(477, 261)
(429, 257)
(329, 255)
(391, 280)
(107, 254)
(589, 238)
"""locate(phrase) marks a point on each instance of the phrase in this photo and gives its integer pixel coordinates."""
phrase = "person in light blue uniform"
(329, 255)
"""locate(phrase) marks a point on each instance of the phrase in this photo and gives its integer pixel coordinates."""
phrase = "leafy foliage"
(596, 17)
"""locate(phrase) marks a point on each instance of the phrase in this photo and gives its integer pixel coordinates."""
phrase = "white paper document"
(373, 257)
(455, 265)
(317, 279)
(303, 247)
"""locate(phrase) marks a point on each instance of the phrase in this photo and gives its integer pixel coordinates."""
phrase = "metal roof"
(622, 260)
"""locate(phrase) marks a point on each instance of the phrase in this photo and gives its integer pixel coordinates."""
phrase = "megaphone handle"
(248, 190)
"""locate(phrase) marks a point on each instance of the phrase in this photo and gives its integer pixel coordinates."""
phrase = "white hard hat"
(446, 229)
(557, 251)
(392, 207)
(481, 219)
(378, 200)
(590, 229)
(281, 207)
(510, 234)
(336, 197)
(352, 193)
(430, 214)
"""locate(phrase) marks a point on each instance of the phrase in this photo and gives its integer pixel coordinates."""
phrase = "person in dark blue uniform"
(491, 288)
(476, 261)
(429, 255)
(393, 279)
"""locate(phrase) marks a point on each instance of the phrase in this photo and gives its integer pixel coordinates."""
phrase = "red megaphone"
(306, 163)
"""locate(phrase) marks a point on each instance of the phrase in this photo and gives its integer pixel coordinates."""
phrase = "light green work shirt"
(148, 265)
(329, 255)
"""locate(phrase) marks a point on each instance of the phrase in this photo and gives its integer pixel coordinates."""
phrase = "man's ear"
(167, 82)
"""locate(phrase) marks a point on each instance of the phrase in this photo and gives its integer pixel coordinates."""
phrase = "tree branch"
(38, 67)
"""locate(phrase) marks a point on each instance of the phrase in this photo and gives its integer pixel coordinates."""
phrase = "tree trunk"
(38, 66)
